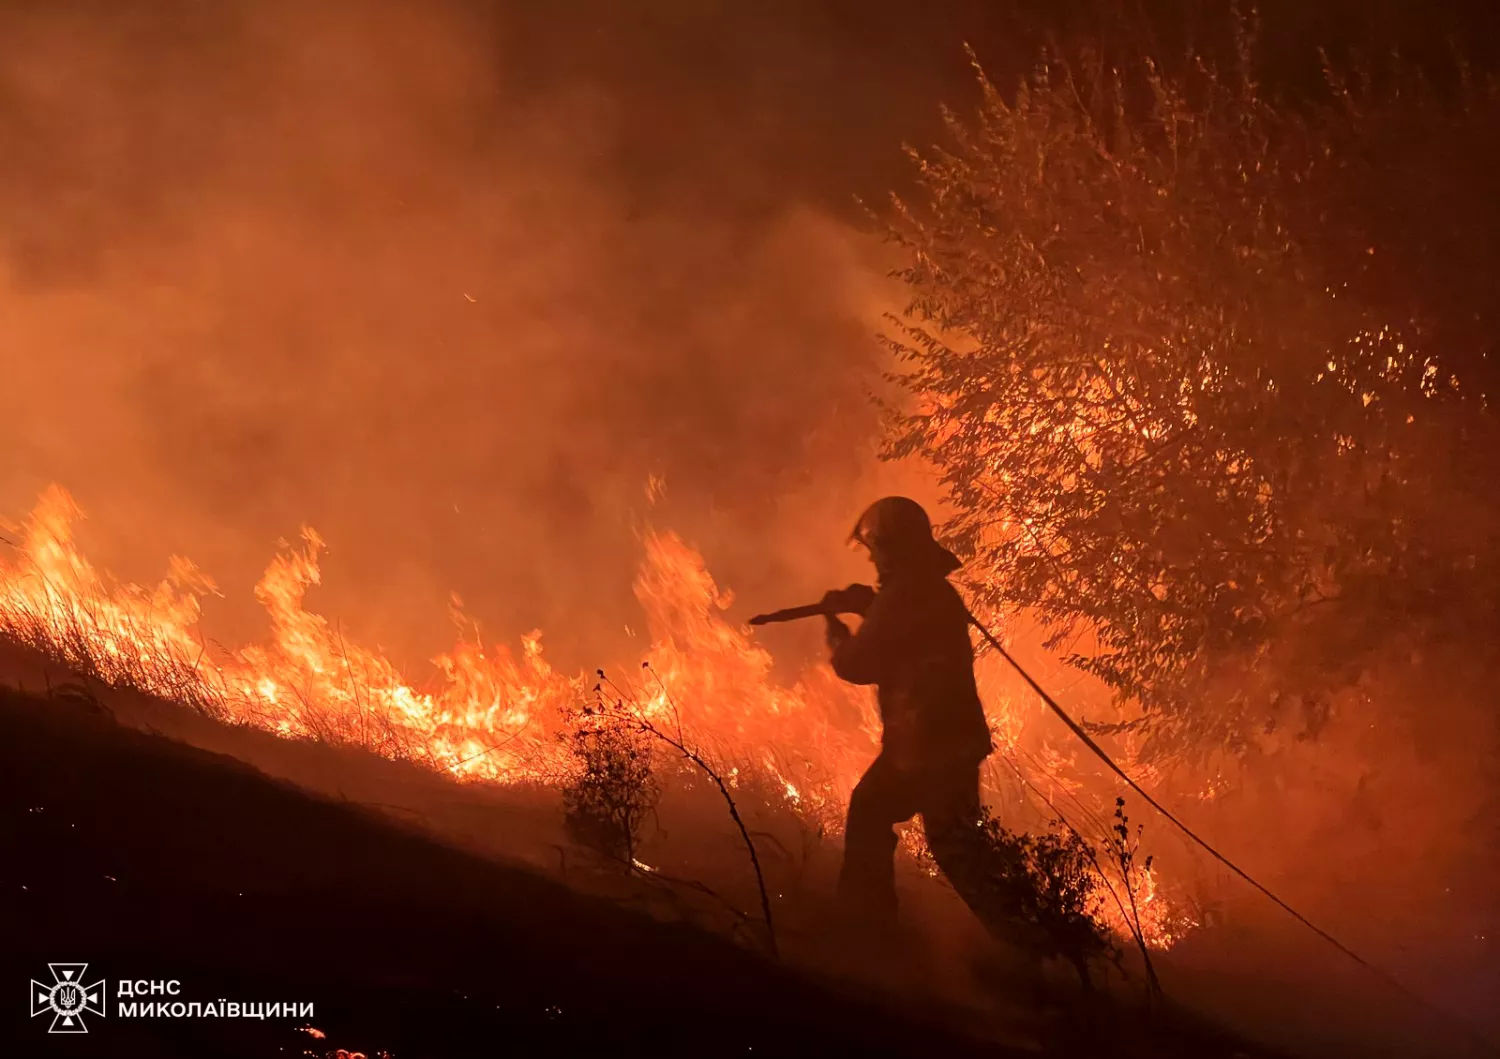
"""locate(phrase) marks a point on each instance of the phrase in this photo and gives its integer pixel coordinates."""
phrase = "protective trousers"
(947, 798)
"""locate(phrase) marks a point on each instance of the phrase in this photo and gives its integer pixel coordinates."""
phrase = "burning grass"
(488, 715)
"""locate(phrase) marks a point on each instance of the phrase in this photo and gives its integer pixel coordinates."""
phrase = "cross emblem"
(67, 997)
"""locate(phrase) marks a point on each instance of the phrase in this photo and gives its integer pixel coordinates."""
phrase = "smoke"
(452, 282)
(435, 281)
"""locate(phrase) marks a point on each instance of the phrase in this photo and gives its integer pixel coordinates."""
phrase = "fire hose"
(811, 610)
(814, 609)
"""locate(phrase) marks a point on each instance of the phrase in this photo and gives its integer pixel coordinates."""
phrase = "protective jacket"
(914, 646)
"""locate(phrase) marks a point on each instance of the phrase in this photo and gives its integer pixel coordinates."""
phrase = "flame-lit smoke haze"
(452, 283)
(388, 276)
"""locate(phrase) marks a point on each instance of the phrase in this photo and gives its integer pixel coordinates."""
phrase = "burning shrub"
(615, 789)
(632, 716)
(1060, 895)
(1135, 883)
(1051, 886)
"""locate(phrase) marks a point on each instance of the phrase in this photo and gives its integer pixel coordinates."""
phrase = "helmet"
(899, 535)
(894, 524)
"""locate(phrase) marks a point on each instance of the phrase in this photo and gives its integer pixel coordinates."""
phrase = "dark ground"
(151, 859)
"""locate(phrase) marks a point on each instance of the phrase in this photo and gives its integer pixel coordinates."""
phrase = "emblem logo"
(67, 997)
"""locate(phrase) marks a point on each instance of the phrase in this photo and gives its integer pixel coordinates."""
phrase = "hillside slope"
(151, 859)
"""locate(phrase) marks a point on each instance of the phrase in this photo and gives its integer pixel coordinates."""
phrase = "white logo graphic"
(67, 998)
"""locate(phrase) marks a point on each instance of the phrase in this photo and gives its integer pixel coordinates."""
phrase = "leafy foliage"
(1192, 369)
(1052, 884)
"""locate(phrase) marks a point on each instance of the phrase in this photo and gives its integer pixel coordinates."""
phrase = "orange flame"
(489, 714)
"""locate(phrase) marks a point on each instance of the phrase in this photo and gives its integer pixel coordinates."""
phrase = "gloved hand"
(855, 599)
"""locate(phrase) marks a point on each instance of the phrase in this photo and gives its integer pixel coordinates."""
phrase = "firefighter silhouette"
(914, 646)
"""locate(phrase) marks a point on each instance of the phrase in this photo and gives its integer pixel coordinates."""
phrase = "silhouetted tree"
(1205, 374)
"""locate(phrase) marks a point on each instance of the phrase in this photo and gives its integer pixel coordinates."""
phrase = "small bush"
(1050, 885)
(615, 788)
